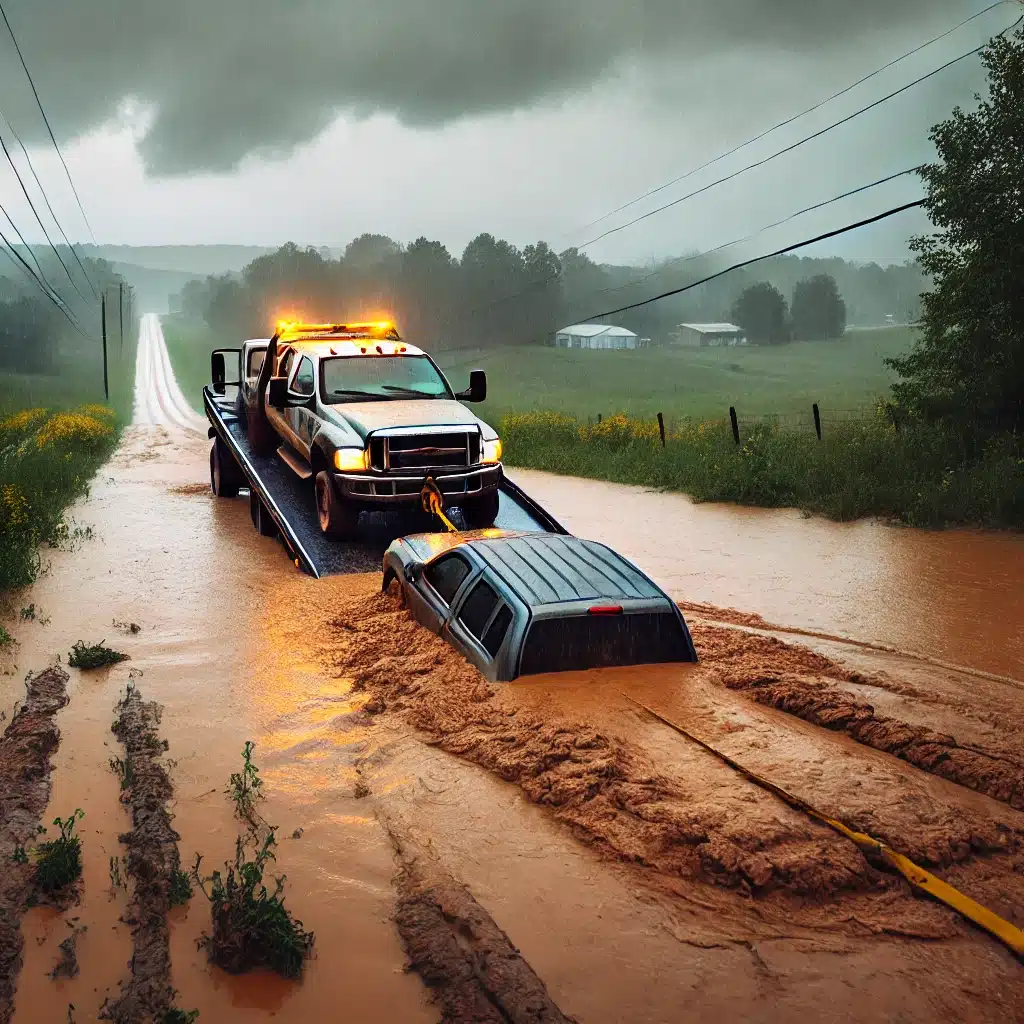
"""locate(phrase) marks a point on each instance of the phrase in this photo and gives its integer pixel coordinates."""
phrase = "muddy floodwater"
(954, 595)
(544, 850)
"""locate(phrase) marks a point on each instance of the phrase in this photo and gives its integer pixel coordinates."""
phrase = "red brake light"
(605, 609)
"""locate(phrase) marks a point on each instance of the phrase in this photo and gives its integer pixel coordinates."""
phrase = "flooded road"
(640, 879)
(954, 595)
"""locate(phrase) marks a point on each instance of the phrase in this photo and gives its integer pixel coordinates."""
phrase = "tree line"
(498, 294)
(816, 312)
(35, 336)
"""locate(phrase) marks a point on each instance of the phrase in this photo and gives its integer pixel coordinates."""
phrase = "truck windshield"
(358, 378)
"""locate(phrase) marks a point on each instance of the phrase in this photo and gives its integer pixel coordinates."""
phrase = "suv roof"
(546, 569)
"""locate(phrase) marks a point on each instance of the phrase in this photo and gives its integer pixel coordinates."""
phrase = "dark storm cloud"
(229, 78)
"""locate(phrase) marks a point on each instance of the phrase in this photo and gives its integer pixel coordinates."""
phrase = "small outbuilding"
(705, 335)
(595, 336)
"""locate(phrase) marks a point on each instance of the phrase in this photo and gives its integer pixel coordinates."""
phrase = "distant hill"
(194, 260)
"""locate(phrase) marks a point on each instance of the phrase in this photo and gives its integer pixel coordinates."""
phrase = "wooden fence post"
(735, 424)
(598, 417)
(661, 428)
(817, 421)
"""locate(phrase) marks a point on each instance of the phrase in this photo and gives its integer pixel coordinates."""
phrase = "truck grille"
(425, 451)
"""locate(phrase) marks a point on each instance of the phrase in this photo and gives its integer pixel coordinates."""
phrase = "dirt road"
(539, 851)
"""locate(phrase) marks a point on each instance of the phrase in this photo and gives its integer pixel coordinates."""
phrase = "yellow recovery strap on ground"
(433, 501)
(924, 880)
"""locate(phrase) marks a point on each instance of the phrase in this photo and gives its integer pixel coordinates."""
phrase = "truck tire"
(225, 476)
(481, 512)
(261, 519)
(338, 519)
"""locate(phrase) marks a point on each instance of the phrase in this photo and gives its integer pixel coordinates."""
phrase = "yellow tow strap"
(1007, 933)
(433, 501)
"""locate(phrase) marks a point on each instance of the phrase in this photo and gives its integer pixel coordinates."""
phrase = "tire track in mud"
(800, 682)
(26, 750)
(606, 789)
(151, 860)
(474, 971)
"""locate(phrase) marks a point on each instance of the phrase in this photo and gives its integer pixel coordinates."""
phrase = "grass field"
(699, 383)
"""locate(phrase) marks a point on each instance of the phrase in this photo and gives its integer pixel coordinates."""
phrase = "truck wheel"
(261, 519)
(225, 476)
(481, 512)
(338, 519)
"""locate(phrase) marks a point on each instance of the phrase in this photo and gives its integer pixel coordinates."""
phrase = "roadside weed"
(246, 786)
(60, 860)
(95, 656)
(251, 925)
(180, 1017)
(123, 770)
(6, 640)
(180, 889)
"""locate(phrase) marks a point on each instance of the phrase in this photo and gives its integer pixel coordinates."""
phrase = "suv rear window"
(597, 641)
(446, 576)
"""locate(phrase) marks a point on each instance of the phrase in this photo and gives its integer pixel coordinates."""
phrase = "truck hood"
(366, 417)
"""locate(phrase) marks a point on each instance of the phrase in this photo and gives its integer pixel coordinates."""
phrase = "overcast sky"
(261, 121)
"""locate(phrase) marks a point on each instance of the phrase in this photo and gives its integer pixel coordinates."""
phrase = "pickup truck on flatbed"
(367, 418)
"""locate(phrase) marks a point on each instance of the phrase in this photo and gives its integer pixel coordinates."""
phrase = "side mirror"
(413, 572)
(277, 393)
(477, 391)
(218, 372)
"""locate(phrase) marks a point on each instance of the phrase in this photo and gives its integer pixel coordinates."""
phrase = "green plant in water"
(6, 640)
(180, 1016)
(180, 889)
(251, 925)
(123, 770)
(60, 860)
(96, 656)
(246, 786)
(20, 855)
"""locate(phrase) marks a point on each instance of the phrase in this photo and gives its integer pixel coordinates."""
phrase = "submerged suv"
(369, 418)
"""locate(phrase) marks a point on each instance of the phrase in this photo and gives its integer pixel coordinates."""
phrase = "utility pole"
(120, 311)
(103, 314)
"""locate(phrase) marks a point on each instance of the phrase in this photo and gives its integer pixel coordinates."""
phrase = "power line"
(758, 259)
(46, 120)
(760, 231)
(39, 220)
(792, 146)
(790, 120)
(46, 199)
(45, 288)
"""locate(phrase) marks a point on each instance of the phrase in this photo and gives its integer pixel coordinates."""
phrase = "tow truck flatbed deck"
(290, 504)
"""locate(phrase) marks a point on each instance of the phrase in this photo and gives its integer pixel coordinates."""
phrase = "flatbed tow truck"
(283, 505)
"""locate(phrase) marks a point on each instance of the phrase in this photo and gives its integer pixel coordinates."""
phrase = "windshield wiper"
(361, 394)
(410, 391)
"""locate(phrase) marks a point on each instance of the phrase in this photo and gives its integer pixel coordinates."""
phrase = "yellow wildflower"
(23, 420)
(73, 428)
(13, 507)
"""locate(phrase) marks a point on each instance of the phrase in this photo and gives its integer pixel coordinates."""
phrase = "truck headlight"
(350, 460)
(492, 452)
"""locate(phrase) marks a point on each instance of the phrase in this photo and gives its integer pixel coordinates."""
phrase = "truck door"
(278, 417)
(302, 418)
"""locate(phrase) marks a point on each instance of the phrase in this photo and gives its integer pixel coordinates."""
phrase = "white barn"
(595, 336)
(704, 335)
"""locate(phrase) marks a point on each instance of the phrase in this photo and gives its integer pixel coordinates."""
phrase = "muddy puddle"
(947, 594)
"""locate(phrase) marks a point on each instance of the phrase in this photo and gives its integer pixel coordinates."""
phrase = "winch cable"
(1007, 933)
(433, 501)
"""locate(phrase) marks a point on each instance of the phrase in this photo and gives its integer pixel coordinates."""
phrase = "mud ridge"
(26, 750)
(797, 681)
(475, 973)
(606, 789)
(152, 858)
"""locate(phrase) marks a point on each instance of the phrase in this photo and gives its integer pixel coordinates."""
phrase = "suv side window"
(304, 381)
(284, 368)
(495, 635)
(477, 609)
(446, 576)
